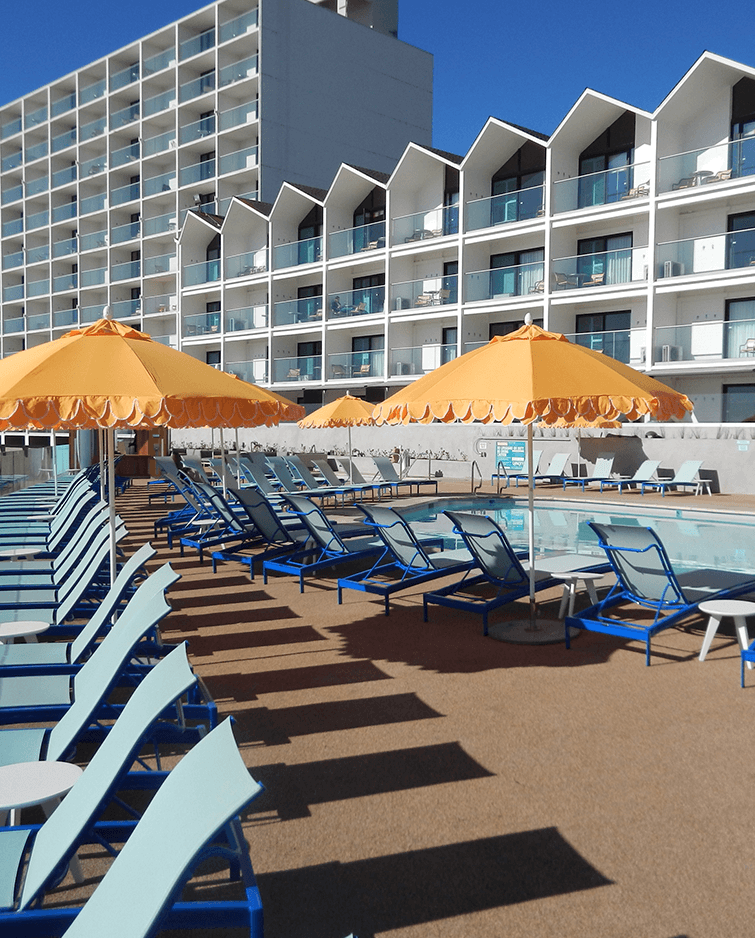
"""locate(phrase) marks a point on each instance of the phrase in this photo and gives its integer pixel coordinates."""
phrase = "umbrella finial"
(107, 312)
(528, 319)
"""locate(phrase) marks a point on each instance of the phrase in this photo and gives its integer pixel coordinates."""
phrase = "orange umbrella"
(532, 375)
(108, 375)
(346, 411)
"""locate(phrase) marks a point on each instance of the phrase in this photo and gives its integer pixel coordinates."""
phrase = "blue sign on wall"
(511, 454)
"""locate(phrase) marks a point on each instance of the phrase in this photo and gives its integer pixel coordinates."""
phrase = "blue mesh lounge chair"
(504, 577)
(406, 562)
(687, 477)
(747, 655)
(601, 473)
(644, 474)
(646, 578)
(522, 474)
(387, 473)
(325, 547)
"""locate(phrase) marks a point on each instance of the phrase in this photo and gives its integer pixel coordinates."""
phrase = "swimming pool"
(692, 538)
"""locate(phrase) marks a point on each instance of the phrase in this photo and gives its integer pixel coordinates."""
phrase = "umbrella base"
(520, 632)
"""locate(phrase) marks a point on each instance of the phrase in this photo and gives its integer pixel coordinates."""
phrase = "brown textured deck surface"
(425, 781)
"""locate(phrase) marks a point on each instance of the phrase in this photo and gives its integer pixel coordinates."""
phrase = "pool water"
(692, 539)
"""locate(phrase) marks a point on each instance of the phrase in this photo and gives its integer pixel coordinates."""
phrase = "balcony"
(124, 116)
(624, 345)
(624, 184)
(65, 282)
(10, 128)
(308, 251)
(161, 264)
(243, 265)
(65, 211)
(13, 194)
(709, 341)
(696, 168)
(38, 254)
(198, 129)
(357, 240)
(124, 155)
(241, 159)
(727, 251)
(93, 167)
(204, 272)
(517, 280)
(239, 26)
(93, 278)
(12, 227)
(16, 259)
(65, 247)
(92, 129)
(302, 368)
(196, 87)
(64, 140)
(159, 224)
(248, 317)
(365, 302)
(124, 194)
(307, 309)
(64, 318)
(128, 271)
(197, 44)
(254, 372)
(605, 268)
(38, 287)
(237, 116)
(63, 176)
(127, 309)
(127, 232)
(37, 322)
(95, 239)
(237, 71)
(424, 225)
(360, 365)
(93, 203)
(159, 62)
(159, 143)
(12, 161)
(197, 172)
(35, 118)
(92, 92)
(91, 313)
(11, 326)
(159, 102)
(37, 186)
(123, 78)
(162, 183)
(63, 105)
(421, 294)
(418, 360)
(13, 292)
(505, 209)
(36, 152)
(37, 220)
(155, 305)
(203, 324)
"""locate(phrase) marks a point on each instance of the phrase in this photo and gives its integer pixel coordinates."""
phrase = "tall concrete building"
(99, 168)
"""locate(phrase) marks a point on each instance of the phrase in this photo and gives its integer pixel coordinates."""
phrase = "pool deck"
(423, 780)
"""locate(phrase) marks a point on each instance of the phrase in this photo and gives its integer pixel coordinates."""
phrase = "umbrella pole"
(531, 526)
(351, 459)
(111, 498)
(222, 462)
(54, 461)
(238, 460)
(101, 449)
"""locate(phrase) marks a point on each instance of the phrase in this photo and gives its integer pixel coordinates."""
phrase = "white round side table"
(571, 580)
(27, 630)
(716, 609)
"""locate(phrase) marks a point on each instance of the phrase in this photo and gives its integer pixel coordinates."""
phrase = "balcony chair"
(748, 348)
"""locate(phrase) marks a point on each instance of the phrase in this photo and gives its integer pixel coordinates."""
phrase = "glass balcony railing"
(92, 92)
(12, 227)
(12, 195)
(254, 372)
(159, 143)
(159, 102)
(38, 321)
(706, 341)
(13, 292)
(248, 317)
(239, 26)
(418, 360)
(727, 251)
(306, 309)
(504, 209)
(16, 259)
(154, 305)
(517, 280)
(197, 172)
(65, 282)
(93, 129)
(93, 167)
(36, 117)
(241, 159)
(10, 128)
(66, 139)
(196, 44)
(62, 177)
(225, 204)
(308, 251)
(11, 326)
(243, 265)
(12, 161)
(236, 116)
(624, 345)
(423, 225)
(625, 183)
(65, 211)
(65, 318)
(63, 105)
(92, 203)
(196, 87)
(124, 155)
(718, 163)
(204, 272)
(38, 287)
(124, 116)
(36, 151)
(237, 71)
(128, 271)
(93, 278)
(434, 291)
(159, 224)
(37, 220)
(369, 364)
(65, 247)
(124, 194)
(127, 309)
(169, 340)
(93, 240)
(625, 265)
(198, 129)
(159, 61)
(124, 77)
(301, 368)
(203, 324)
(38, 254)
(37, 186)
(90, 313)
(160, 264)
(126, 232)
(356, 240)
(365, 302)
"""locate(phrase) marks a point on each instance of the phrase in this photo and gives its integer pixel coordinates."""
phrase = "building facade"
(631, 232)
(99, 169)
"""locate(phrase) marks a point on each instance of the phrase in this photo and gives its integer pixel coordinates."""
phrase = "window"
(604, 260)
(370, 212)
(207, 80)
(309, 360)
(603, 161)
(519, 183)
(212, 256)
(206, 123)
(740, 243)
(605, 332)
(310, 302)
(739, 331)
(448, 346)
(213, 358)
(738, 403)
(505, 328)
(449, 292)
(367, 355)
(207, 165)
(451, 201)
(368, 294)
(309, 232)
(743, 128)
(212, 322)
(515, 273)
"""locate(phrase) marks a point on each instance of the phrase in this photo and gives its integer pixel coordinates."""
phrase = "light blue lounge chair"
(645, 577)
(406, 561)
(522, 474)
(645, 473)
(555, 471)
(601, 473)
(687, 477)
(321, 486)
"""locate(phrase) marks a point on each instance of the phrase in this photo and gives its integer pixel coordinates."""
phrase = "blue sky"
(526, 63)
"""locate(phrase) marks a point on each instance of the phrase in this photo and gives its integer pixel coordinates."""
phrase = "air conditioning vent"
(672, 269)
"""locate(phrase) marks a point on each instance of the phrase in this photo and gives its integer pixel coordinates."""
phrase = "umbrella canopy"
(346, 411)
(531, 375)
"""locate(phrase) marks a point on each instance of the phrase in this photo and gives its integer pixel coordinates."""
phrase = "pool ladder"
(475, 488)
